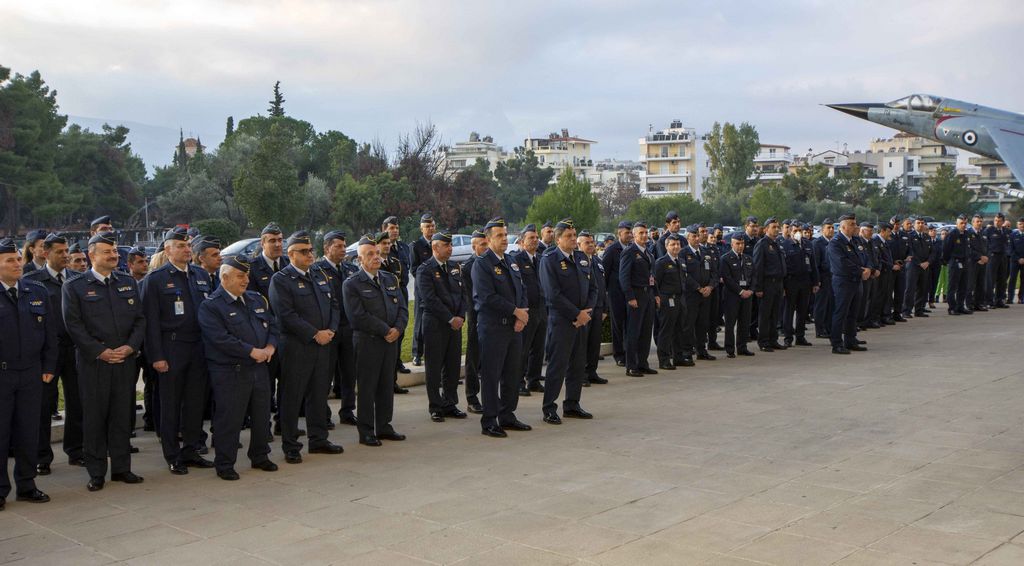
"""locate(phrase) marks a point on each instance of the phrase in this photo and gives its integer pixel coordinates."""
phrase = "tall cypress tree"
(276, 109)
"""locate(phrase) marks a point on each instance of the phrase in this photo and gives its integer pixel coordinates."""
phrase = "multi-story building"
(463, 155)
(998, 189)
(771, 163)
(670, 158)
(559, 151)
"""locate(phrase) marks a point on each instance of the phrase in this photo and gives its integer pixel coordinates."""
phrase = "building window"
(664, 151)
(771, 152)
(991, 172)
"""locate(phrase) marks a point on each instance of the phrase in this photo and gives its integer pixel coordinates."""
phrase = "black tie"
(60, 278)
(13, 292)
(376, 281)
(275, 266)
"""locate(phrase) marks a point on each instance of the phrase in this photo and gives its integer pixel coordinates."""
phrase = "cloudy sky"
(605, 70)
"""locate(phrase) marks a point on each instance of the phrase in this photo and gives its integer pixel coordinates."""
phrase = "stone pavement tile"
(761, 513)
(390, 530)
(199, 552)
(511, 525)
(848, 479)
(777, 468)
(948, 438)
(330, 548)
(659, 512)
(144, 541)
(278, 533)
(338, 516)
(624, 489)
(447, 546)
(652, 552)
(12, 526)
(381, 558)
(34, 544)
(404, 499)
(807, 495)
(58, 512)
(710, 534)
(974, 522)
(723, 560)
(881, 464)
(733, 483)
(844, 527)
(456, 509)
(575, 505)
(1011, 481)
(509, 493)
(958, 473)
(1006, 555)
(512, 554)
(1009, 441)
(578, 540)
(997, 500)
(786, 549)
(76, 555)
(915, 450)
(89, 532)
(996, 459)
(883, 506)
(225, 519)
(875, 558)
(929, 491)
(935, 545)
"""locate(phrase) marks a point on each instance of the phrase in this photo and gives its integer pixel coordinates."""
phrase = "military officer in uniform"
(800, 284)
(848, 272)
(472, 372)
(262, 268)
(393, 264)
(769, 272)
(711, 250)
(1016, 262)
(586, 244)
(917, 264)
(880, 310)
(899, 246)
(28, 359)
(737, 270)
(536, 331)
(440, 290)
(104, 316)
(206, 253)
(671, 280)
(672, 226)
(636, 279)
(547, 237)
(77, 261)
(401, 252)
(52, 276)
(171, 296)
(307, 312)
(502, 314)
(997, 237)
(697, 262)
(342, 363)
(616, 299)
(869, 257)
(377, 311)
(570, 297)
(979, 261)
(956, 251)
(824, 301)
(421, 252)
(240, 336)
(34, 251)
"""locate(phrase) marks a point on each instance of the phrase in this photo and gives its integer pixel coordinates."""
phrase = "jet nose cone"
(859, 110)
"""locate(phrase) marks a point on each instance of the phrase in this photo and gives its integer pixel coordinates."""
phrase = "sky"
(606, 70)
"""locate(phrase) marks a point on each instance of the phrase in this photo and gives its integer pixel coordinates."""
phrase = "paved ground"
(912, 453)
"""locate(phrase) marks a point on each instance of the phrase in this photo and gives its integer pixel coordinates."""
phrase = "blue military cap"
(640, 224)
(103, 238)
(298, 238)
(176, 233)
(693, 228)
(848, 216)
(896, 219)
(425, 218)
(609, 238)
(565, 223)
(7, 246)
(787, 222)
(547, 224)
(390, 220)
(381, 236)
(203, 243)
(751, 220)
(807, 226)
(238, 262)
(528, 228)
(75, 248)
(368, 240)
(54, 239)
(738, 236)
(701, 225)
(193, 232)
(1000, 215)
(440, 236)
(961, 217)
(478, 234)
(671, 215)
(333, 235)
(498, 222)
(625, 224)
(585, 234)
(826, 221)
(105, 219)
(883, 226)
(978, 215)
(670, 237)
(716, 227)
(770, 220)
(271, 228)
(34, 236)
(138, 251)
(866, 224)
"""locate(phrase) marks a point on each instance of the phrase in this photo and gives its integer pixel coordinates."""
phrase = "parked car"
(461, 249)
(245, 248)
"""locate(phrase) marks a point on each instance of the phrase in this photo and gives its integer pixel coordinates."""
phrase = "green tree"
(730, 151)
(653, 209)
(569, 197)
(359, 204)
(268, 188)
(808, 183)
(945, 195)
(332, 154)
(221, 228)
(276, 109)
(317, 205)
(103, 170)
(521, 179)
(229, 127)
(769, 200)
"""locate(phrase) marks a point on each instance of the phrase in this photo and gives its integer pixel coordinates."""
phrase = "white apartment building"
(670, 160)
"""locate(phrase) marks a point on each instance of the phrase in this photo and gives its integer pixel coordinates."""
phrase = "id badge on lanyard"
(179, 306)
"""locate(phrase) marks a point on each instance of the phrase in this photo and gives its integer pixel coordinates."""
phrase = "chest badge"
(131, 301)
(497, 270)
(564, 266)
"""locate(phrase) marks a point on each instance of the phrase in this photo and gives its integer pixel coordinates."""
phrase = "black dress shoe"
(634, 373)
(293, 457)
(455, 413)
(43, 469)
(577, 413)
(95, 484)
(330, 425)
(265, 465)
(326, 448)
(33, 496)
(765, 348)
(966, 311)
(394, 436)
(134, 450)
(715, 346)
(3, 503)
(552, 418)
(228, 474)
(839, 350)
(524, 391)
(873, 325)
(899, 318)
(79, 461)
(705, 356)
(777, 346)
(620, 363)
(517, 425)
(369, 440)
(822, 335)
(981, 308)
(400, 390)
(348, 418)
(857, 348)
(686, 362)
(56, 416)
(494, 432)
(403, 369)
(666, 366)
(745, 352)
(127, 477)
(537, 387)
(417, 361)
(730, 355)
(954, 312)
(198, 462)
(177, 468)
(862, 342)
(476, 408)
(203, 451)
(437, 417)
(597, 379)
(921, 315)
(649, 371)
(803, 342)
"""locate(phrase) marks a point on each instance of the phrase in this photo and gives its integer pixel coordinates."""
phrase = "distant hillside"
(155, 144)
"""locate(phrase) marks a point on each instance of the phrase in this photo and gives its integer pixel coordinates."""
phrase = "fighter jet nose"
(859, 110)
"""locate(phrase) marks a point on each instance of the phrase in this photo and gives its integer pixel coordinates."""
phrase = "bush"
(221, 228)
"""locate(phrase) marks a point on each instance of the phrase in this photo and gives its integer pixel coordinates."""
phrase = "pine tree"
(276, 109)
(230, 129)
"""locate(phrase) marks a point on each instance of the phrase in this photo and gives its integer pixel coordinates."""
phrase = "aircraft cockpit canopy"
(919, 102)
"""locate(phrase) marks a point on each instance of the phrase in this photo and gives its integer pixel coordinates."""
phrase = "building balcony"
(669, 157)
(776, 158)
(678, 177)
(661, 138)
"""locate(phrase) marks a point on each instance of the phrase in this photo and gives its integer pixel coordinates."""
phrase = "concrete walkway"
(911, 453)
